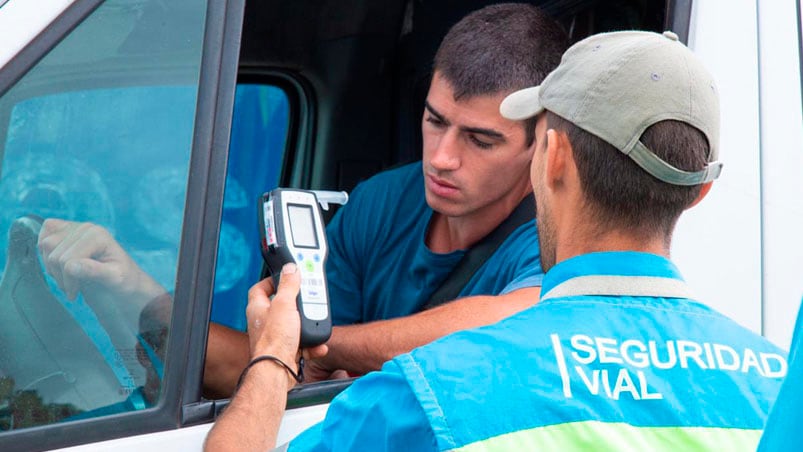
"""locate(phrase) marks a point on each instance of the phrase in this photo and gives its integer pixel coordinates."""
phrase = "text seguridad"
(633, 355)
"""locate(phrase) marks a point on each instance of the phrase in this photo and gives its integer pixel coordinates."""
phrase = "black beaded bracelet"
(299, 377)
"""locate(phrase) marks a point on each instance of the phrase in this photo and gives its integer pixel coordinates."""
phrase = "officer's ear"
(559, 157)
(703, 191)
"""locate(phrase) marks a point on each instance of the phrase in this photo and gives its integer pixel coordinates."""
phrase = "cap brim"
(521, 104)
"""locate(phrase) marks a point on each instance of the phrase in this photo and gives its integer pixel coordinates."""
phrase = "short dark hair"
(501, 48)
(621, 194)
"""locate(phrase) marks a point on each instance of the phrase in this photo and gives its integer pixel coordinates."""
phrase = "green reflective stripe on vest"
(607, 436)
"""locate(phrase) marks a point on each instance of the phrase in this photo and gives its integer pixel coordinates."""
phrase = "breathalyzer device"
(292, 230)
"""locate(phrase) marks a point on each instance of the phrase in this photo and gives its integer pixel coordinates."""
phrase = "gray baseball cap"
(615, 85)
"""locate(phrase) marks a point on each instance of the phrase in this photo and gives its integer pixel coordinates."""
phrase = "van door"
(115, 116)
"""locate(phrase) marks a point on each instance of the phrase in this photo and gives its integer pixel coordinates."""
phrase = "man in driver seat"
(404, 230)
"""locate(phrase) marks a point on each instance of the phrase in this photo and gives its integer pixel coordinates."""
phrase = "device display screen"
(302, 226)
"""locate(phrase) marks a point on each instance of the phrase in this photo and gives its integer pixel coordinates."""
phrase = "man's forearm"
(252, 419)
(226, 356)
(363, 348)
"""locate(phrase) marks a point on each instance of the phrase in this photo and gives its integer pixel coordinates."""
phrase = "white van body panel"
(23, 20)
(718, 242)
(781, 167)
(192, 438)
(739, 248)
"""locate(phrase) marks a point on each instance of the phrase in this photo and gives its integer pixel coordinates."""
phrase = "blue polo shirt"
(379, 266)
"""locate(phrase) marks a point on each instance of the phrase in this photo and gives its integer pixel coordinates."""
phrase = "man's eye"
(479, 143)
(435, 121)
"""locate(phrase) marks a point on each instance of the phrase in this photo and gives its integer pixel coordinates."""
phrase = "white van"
(163, 120)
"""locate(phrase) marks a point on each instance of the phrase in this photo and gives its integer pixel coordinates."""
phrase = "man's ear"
(703, 191)
(558, 157)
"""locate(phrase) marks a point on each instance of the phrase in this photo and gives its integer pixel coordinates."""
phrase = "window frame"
(180, 402)
(678, 18)
(45, 41)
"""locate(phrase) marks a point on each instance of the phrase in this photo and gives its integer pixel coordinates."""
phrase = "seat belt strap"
(478, 254)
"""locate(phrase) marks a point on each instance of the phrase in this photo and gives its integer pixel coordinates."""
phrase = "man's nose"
(446, 154)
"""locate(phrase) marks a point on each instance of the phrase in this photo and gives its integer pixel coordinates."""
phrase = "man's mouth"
(441, 187)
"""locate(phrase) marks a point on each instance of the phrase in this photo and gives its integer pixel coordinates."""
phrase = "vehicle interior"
(329, 92)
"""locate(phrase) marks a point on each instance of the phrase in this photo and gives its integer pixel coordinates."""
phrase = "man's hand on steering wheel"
(82, 257)
(85, 258)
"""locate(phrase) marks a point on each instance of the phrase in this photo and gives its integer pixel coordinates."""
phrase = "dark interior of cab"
(366, 65)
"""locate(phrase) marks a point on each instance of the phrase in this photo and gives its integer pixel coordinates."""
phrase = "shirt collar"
(615, 273)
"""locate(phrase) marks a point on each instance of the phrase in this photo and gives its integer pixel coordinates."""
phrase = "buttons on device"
(315, 311)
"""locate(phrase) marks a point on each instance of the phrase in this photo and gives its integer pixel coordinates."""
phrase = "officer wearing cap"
(618, 354)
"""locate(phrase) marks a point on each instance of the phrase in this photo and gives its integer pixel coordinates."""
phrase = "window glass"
(95, 145)
(259, 134)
